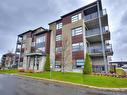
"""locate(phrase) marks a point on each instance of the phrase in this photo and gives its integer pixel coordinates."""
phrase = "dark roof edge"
(9, 53)
(55, 21)
(78, 10)
(39, 28)
(47, 30)
(32, 31)
(25, 33)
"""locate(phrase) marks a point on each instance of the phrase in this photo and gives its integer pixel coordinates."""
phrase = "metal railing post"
(102, 39)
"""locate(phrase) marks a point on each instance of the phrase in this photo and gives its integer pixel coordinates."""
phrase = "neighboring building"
(7, 60)
(83, 30)
(32, 47)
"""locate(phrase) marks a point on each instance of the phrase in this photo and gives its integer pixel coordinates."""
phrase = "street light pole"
(50, 71)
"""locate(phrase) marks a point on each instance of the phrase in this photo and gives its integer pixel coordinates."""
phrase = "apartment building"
(83, 30)
(8, 59)
(32, 47)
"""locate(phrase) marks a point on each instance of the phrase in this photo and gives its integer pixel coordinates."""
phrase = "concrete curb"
(70, 84)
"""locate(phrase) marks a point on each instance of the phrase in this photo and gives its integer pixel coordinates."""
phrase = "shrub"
(87, 65)
(21, 70)
(120, 72)
(29, 71)
(47, 63)
(112, 70)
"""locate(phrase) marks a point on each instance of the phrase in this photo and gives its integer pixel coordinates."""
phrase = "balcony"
(19, 41)
(94, 35)
(40, 51)
(97, 51)
(92, 20)
(18, 50)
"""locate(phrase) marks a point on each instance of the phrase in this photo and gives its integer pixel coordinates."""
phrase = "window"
(40, 39)
(58, 37)
(76, 17)
(59, 26)
(77, 31)
(79, 62)
(40, 43)
(77, 46)
(59, 49)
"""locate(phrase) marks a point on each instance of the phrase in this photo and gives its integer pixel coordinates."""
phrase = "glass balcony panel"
(96, 31)
(95, 15)
(95, 50)
(108, 48)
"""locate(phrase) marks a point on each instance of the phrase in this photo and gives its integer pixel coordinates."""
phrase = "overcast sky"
(17, 16)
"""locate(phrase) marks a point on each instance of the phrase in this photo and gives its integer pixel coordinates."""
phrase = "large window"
(58, 37)
(40, 43)
(76, 17)
(40, 39)
(59, 26)
(76, 31)
(77, 46)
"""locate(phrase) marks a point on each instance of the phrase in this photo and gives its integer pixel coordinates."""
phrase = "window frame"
(58, 49)
(59, 25)
(80, 62)
(41, 43)
(77, 46)
(77, 31)
(76, 17)
(58, 37)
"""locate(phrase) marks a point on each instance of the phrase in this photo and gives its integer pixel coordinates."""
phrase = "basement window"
(79, 63)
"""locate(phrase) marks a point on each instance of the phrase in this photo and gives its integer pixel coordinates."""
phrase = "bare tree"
(65, 53)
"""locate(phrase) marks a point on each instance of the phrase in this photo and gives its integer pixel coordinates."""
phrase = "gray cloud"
(17, 16)
(124, 19)
(120, 40)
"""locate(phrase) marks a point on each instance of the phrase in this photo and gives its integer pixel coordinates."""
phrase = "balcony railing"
(95, 15)
(108, 48)
(18, 50)
(19, 41)
(40, 51)
(96, 31)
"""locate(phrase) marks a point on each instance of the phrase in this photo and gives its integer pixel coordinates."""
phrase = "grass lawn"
(99, 81)
(8, 71)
